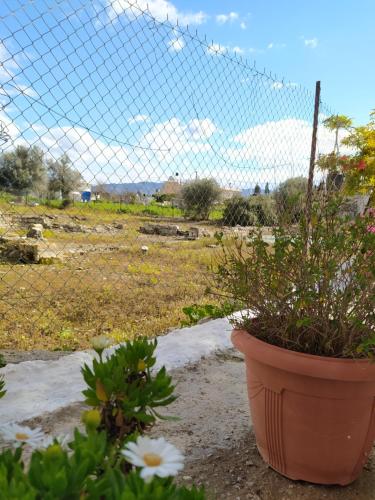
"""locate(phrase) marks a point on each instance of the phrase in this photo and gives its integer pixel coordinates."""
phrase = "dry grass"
(122, 292)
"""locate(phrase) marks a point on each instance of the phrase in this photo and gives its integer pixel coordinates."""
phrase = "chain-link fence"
(126, 143)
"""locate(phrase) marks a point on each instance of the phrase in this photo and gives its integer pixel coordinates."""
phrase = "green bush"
(198, 198)
(312, 290)
(264, 207)
(290, 199)
(238, 212)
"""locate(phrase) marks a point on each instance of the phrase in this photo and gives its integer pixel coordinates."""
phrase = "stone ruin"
(193, 233)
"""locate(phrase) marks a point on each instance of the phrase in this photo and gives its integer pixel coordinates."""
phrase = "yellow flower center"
(22, 436)
(141, 365)
(152, 459)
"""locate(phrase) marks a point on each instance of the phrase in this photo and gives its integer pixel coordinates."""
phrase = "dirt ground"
(215, 435)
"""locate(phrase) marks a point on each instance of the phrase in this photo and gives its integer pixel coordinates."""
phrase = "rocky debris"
(26, 221)
(35, 231)
(72, 228)
(192, 233)
(21, 250)
(28, 251)
(50, 257)
(160, 229)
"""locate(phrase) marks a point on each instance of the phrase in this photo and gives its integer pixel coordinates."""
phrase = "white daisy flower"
(101, 342)
(157, 457)
(19, 434)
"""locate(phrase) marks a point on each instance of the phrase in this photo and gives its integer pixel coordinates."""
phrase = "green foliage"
(290, 199)
(257, 190)
(198, 198)
(162, 197)
(56, 474)
(238, 211)
(66, 203)
(312, 295)
(125, 390)
(62, 177)
(355, 172)
(2, 387)
(253, 211)
(93, 465)
(22, 170)
(2, 361)
(264, 208)
(196, 312)
(116, 486)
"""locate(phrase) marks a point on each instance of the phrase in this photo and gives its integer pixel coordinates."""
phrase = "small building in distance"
(171, 187)
(227, 194)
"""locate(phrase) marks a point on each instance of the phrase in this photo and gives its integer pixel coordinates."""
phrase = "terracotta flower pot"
(314, 417)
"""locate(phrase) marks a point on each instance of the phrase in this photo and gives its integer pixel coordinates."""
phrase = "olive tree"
(198, 198)
(22, 170)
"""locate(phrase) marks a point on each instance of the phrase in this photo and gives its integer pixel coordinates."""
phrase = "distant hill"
(132, 187)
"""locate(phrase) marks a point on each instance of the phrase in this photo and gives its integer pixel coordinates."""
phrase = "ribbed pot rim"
(354, 370)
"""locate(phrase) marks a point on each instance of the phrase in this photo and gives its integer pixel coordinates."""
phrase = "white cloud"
(281, 144)
(312, 43)
(281, 85)
(138, 118)
(215, 49)
(168, 139)
(176, 44)
(87, 153)
(238, 50)
(243, 25)
(273, 45)
(8, 63)
(9, 129)
(226, 18)
(160, 9)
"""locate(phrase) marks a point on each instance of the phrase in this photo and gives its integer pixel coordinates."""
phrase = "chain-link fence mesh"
(126, 142)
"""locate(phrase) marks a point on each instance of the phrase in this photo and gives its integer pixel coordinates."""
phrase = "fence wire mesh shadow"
(126, 143)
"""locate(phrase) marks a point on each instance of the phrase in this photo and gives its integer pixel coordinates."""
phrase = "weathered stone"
(35, 231)
(21, 250)
(193, 233)
(75, 228)
(30, 220)
(355, 205)
(48, 257)
(160, 229)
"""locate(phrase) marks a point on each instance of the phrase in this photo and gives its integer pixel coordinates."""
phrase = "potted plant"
(308, 336)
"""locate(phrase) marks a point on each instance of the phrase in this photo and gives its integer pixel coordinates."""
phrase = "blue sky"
(129, 99)
(342, 57)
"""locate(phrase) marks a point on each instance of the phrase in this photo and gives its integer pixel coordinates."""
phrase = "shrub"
(66, 203)
(110, 459)
(196, 312)
(290, 199)
(198, 197)
(238, 212)
(264, 207)
(313, 294)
